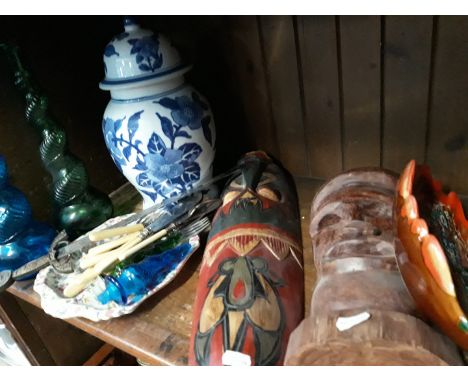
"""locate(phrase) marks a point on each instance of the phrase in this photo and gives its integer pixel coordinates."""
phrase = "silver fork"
(193, 229)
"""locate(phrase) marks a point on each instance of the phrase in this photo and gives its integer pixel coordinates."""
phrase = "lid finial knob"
(130, 23)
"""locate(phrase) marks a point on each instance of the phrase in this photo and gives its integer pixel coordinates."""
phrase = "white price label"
(346, 323)
(235, 358)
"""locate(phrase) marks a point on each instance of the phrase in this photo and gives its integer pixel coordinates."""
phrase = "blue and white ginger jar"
(159, 129)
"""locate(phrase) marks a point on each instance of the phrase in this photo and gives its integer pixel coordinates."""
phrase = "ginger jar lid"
(138, 55)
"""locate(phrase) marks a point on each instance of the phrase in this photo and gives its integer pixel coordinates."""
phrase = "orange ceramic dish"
(423, 263)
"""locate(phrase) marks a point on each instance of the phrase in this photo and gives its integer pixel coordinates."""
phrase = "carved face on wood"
(250, 294)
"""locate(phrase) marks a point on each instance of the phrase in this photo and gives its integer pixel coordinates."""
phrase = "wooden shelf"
(158, 333)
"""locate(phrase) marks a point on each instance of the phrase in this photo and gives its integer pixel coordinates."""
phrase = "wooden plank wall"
(333, 93)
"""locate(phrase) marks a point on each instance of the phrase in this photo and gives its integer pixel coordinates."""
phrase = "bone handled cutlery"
(150, 226)
(82, 280)
(191, 210)
(107, 246)
(196, 217)
(95, 254)
(105, 234)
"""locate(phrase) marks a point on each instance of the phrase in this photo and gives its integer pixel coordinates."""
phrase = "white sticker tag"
(345, 323)
(235, 358)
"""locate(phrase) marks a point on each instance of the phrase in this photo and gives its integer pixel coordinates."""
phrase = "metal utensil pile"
(178, 214)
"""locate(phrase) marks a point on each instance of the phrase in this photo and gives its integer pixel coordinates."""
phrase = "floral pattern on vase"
(168, 171)
(189, 112)
(164, 146)
(109, 51)
(147, 52)
(110, 129)
(164, 169)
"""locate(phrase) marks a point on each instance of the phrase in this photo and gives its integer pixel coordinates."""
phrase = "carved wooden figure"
(250, 294)
(361, 311)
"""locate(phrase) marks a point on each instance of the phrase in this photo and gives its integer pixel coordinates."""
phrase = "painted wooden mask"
(250, 294)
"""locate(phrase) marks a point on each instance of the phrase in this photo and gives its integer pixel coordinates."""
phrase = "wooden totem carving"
(250, 294)
(361, 311)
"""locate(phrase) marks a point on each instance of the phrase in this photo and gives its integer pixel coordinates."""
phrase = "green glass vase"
(78, 206)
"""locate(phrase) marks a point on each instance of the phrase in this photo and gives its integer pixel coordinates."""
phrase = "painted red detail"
(239, 290)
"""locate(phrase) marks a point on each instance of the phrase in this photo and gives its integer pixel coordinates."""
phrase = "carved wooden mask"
(251, 290)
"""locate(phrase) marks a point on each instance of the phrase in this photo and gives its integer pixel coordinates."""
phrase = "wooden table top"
(158, 332)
